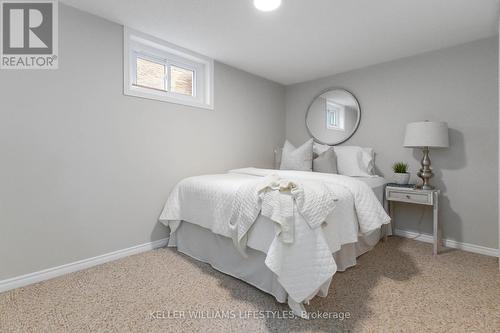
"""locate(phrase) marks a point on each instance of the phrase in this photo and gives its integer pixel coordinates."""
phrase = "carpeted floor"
(397, 287)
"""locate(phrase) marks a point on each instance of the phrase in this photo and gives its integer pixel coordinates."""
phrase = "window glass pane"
(181, 80)
(150, 74)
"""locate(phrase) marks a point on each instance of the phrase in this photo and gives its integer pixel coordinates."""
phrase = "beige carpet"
(398, 287)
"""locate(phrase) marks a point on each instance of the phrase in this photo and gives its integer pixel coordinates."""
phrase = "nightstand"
(411, 195)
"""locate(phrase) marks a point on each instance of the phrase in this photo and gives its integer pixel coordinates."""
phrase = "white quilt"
(369, 211)
(207, 202)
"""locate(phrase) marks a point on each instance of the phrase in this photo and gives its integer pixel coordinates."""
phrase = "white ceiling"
(304, 40)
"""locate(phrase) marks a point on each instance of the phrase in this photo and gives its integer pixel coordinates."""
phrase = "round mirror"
(333, 116)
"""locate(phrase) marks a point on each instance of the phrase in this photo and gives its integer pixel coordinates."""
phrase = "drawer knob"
(407, 196)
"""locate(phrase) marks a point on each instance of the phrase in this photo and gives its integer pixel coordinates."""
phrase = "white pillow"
(297, 158)
(355, 161)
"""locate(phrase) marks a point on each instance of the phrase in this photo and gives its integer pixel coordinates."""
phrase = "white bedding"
(206, 202)
(202, 200)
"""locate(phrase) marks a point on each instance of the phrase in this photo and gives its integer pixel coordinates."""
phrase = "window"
(182, 80)
(150, 74)
(158, 70)
(335, 115)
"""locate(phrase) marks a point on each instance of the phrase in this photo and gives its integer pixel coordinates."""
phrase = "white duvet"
(207, 201)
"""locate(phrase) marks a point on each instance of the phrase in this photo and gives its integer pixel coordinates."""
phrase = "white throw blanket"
(275, 198)
(299, 255)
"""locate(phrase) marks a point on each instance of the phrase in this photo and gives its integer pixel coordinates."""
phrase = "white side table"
(420, 197)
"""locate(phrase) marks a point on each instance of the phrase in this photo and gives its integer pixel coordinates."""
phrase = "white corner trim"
(427, 238)
(24, 280)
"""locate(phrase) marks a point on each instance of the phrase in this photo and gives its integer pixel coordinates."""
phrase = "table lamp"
(425, 135)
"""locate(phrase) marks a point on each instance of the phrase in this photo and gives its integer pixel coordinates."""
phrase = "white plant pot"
(401, 178)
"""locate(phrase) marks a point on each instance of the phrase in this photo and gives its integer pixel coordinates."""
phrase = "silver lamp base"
(426, 172)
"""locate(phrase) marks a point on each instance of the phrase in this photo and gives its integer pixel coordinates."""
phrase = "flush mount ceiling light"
(266, 5)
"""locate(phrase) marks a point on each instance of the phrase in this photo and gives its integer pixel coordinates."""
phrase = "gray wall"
(458, 85)
(85, 170)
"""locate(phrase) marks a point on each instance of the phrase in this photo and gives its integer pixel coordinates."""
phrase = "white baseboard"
(24, 280)
(448, 243)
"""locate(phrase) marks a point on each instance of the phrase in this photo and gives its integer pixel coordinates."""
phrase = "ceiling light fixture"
(266, 5)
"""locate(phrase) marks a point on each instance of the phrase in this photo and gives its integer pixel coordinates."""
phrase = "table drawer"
(422, 198)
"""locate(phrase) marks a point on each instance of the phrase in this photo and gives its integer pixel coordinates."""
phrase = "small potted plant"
(401, 175)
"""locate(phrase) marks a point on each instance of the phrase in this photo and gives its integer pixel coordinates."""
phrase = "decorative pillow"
(297, 158)
(319, 148)
(326, 162)
(355, 161)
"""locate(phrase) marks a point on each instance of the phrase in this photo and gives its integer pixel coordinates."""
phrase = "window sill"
(158, 96)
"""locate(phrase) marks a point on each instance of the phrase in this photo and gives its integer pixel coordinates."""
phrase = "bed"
(199, 209)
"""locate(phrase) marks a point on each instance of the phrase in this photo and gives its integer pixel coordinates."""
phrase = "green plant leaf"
(400, 167)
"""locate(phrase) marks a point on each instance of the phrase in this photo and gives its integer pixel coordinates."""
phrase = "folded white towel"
(277, 204)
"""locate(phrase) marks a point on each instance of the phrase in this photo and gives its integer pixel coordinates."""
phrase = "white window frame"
(139, 45)
(339, 112)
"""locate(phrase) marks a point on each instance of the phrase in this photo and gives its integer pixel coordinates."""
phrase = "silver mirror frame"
(355, 126)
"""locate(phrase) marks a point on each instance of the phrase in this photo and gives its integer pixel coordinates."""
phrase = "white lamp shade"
(432, 134)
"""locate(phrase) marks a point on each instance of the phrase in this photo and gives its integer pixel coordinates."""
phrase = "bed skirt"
(219, 251)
